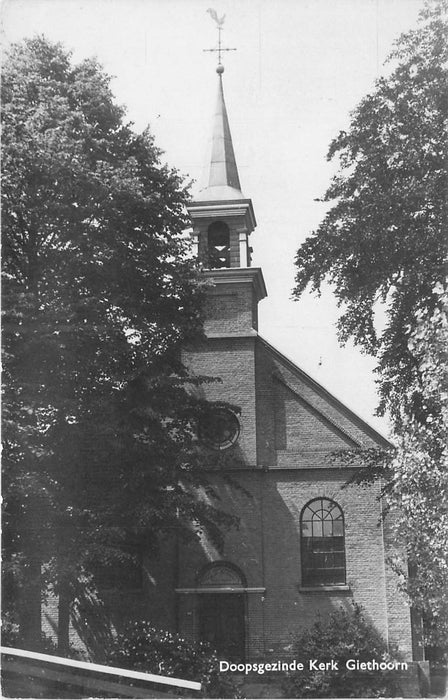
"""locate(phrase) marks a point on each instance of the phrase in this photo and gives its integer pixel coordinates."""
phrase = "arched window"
(218, 245)
(322, 540)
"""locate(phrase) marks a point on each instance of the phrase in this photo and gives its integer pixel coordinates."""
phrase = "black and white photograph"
(224, 348)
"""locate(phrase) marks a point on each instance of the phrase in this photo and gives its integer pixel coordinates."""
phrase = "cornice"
(232, 275)
(212, 209)
(252, 333)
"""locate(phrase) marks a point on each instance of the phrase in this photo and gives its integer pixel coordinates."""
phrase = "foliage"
(141, 647)
(10, 631)
(383, 242)
(420, 478)
(343, 635)
(416, 477)
(99, 295)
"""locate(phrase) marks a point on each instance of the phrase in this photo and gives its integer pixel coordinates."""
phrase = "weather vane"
(220, 49)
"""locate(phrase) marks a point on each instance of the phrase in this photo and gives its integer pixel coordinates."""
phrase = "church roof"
(222, 180)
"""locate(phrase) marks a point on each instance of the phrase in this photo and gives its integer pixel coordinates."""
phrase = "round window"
(219, 428)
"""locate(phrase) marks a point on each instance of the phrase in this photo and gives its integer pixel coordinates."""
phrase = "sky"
(300, 68)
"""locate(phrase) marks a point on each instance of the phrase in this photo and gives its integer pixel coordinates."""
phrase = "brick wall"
(229, 309)
(233, 361)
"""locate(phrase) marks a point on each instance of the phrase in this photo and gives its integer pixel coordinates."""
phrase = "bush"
(142, 648)
(343, 635)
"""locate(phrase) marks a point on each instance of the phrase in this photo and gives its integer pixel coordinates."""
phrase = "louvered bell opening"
(218, 245)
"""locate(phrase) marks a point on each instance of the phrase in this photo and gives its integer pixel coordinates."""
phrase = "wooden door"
(222, 624)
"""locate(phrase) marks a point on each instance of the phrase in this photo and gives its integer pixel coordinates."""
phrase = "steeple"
(222, 217)
(222, 220)
(223, 181)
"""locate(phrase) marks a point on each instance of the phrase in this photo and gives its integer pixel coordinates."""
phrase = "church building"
(306, 541)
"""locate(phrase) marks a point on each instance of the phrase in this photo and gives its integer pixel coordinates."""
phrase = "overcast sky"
(300, 67)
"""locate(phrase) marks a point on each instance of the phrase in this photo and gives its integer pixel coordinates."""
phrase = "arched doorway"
(222, 610)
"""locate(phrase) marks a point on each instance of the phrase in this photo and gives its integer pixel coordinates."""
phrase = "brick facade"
(290, 427)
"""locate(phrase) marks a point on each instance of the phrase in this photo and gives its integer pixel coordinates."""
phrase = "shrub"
(343, 635)
(141, 647)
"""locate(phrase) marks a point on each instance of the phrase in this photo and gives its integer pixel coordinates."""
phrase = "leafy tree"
(383, 241)
(99, 295)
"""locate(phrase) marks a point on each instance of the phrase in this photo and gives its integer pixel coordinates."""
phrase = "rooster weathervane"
(219, 24)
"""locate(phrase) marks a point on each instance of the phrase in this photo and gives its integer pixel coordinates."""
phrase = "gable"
(307, 425)
(299, 425)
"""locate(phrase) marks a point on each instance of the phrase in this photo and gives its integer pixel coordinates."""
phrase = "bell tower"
(223, 220)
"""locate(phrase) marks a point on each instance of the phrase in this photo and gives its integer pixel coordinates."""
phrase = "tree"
(99, 296)
(383, 241)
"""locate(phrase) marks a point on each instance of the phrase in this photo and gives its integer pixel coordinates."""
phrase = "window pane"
(306, 529)
(327, 576)
(338, 544)
(329, 560)
(338, 575)
(328, 528)
(307, 514)
(338, 527)
(319, 544)
(317, 529)
(339, 560)
(319, 560)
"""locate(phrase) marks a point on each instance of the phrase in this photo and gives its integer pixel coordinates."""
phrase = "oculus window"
(219, 428)
(322, 543)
